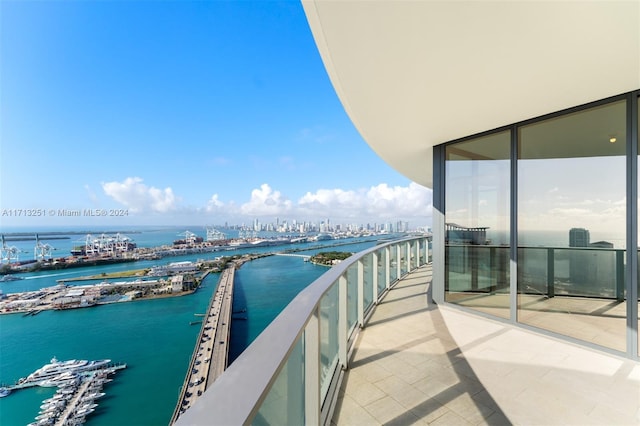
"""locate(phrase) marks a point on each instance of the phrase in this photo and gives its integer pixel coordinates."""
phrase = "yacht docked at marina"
(57, 372)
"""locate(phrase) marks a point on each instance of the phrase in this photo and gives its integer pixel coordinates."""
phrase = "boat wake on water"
(47, 276)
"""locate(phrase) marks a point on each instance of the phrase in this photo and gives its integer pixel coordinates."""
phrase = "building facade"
(523, 119)
(527, 183)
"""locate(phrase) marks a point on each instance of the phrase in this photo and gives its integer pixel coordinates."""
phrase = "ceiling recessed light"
(613, 139)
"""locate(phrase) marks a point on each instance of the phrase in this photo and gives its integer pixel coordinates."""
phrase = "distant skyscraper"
(579, 237)
(579, 261)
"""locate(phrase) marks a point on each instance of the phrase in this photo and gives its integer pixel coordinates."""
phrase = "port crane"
(8, 254)
(214, 235)
(42, 251)
(189, 237)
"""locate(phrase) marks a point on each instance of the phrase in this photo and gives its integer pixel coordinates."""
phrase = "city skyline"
(277, 225)
(174, 113)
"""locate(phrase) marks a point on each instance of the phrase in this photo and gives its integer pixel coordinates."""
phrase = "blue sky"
(180, 113)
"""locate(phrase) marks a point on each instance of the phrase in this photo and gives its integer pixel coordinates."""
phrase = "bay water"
(153, 337)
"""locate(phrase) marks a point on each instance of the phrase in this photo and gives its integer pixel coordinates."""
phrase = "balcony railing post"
(312, 371)
(473, 255)
(418, 263)
(620, 275)
(408, 258)
(374, 275)
(342, 322)
(360, 279)
(398, 262)
(387, 267)
(551, 273)
(493, 270)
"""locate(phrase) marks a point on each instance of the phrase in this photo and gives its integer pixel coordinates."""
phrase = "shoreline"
(149, 253)
(41, 308)
(53, 299)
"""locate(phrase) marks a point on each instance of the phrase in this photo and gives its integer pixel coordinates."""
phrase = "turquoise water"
(153, 337)
(264, 287)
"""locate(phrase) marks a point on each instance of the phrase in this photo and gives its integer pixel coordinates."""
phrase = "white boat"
(9, 277)
(67, 378)
(43, 422)
(84, 411)
(93, 396)
(45, 416)
(89, 406)
(52, 404)
(56, 368)
(57, 397)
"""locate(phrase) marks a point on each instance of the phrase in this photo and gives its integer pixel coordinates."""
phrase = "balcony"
(414, 362)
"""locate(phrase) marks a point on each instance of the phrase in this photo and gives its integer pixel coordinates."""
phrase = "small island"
(330, 258)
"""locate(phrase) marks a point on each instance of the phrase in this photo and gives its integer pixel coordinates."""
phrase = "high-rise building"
(579, 237)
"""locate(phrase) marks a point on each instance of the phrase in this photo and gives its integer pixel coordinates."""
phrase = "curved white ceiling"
(413, 74)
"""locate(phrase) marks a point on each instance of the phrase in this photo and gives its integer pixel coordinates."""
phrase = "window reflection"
(572, 224)
(477, 223)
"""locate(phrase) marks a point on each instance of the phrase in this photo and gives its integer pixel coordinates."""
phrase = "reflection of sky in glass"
(478, 195)
(560, 194)
(570, 175)
(555, 195)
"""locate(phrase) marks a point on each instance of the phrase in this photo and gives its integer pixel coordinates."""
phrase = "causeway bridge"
(210, 357)
(305, 257)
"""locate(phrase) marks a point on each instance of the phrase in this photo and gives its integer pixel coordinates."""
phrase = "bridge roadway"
(210, 357)
(305, 257)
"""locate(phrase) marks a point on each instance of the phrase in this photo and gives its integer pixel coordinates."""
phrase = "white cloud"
(214, 203)
(377, 202)
(374, 204)
(138, 197)
(265, 202)
(324, 201)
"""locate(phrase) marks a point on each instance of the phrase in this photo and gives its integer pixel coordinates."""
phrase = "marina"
(79, 384)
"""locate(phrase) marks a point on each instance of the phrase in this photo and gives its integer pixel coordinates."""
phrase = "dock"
(85, 395)
(211, 353)
(75, 396)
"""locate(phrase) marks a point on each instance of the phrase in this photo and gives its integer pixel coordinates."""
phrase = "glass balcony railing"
(544, 271)
(291, 373)
(584, 272)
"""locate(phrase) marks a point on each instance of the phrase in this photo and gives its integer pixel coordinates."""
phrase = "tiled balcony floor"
(418, 363)
(599, 321)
